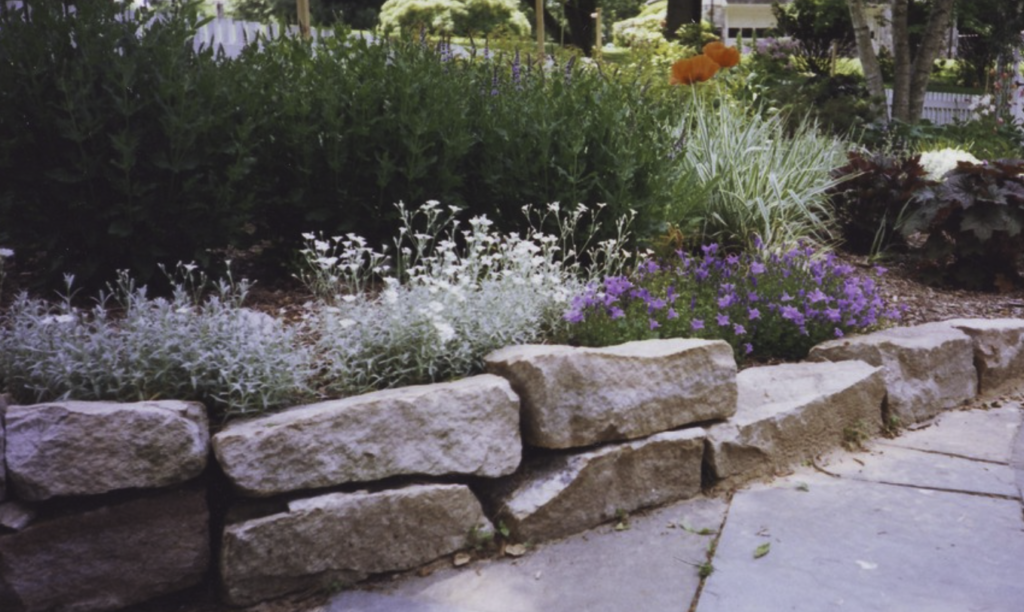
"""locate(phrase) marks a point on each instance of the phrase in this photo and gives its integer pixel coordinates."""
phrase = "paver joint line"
(944, 454)
(712, 549)
(940, 489)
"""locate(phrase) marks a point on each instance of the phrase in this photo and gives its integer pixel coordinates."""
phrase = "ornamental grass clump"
(765, 304)
(745, 175)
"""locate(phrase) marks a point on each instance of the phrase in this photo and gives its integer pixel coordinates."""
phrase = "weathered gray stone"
(928, 368)
(566, 494)
(86, 448)
(343, 537)
(575, 397)
(790, 412)
(16, 515)
(109, 558)
(470, 426)
(998, 350)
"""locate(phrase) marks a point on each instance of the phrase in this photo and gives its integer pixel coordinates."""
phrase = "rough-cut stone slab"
(787, 413)
(841, 545)
(469, 426)
(343, 537)
(576, 397)
(998, 350)
(86, 448)
(109, 558)
(566, 494)
(928, 368)
(983, 435)
(904, 466)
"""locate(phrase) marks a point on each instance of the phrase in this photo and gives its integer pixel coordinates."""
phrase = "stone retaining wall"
(107, 505)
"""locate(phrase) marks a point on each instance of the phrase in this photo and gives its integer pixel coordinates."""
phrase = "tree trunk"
(581, 24)
(902, 60)
(868, 58)
(939, 20)
(680, 13)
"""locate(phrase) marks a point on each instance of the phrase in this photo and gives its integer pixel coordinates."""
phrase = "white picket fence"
(234, 35)
(942, 108)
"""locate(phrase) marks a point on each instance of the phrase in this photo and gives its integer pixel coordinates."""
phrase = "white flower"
(6, 253)
(444, 331)
(346, 323)
(937, 163)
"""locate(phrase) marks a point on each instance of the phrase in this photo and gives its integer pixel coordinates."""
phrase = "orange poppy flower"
(693, 70)
(726, 57)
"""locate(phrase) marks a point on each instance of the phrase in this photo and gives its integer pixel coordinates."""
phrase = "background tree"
(989, 30)
(912, 70)
(680, 13)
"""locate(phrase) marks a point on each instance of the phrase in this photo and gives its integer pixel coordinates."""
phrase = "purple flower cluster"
(777, 49)
(771, 304)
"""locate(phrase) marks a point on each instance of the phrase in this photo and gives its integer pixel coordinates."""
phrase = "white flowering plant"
(426, 309)
(442, 296)
(937, 164)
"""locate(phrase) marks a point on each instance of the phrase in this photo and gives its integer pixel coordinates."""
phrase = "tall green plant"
(120, 145)
(743, 176)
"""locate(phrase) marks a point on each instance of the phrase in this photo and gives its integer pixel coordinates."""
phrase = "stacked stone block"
(143, 534)
(102, 505)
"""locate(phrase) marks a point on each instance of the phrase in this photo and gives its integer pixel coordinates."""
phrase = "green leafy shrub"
(460, 17)
(120, 146)
(871, 195)
(125, 152)
(779, 84)
(765, 305)
(983, 136)
(648, 28)
(822, 29)
(971, 225)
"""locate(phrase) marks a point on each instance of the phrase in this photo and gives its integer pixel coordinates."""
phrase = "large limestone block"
(576, 397)
(340, 538)
(928, 368)
(998, 350)
(788, 413)
(569, 493)
(109, 558)
(469, 426)
(86, 448)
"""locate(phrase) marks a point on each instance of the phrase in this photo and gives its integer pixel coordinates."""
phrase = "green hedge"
(123, 151)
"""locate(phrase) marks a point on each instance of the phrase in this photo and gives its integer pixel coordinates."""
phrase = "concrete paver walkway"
(932, 521)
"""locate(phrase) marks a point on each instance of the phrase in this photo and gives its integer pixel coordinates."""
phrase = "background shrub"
(120, 146)
(125, 152)
(460, 17)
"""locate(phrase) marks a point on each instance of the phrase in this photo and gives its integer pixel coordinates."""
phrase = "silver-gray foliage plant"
(235, 359)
